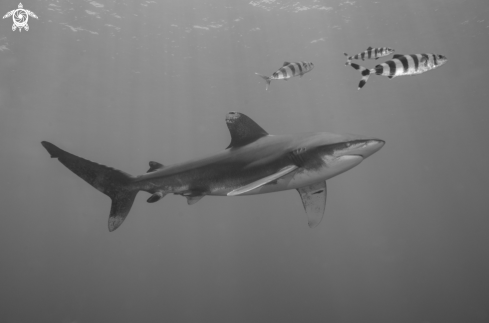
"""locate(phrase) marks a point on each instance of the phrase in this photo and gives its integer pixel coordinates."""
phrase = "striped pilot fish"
(401, 65)
(288, 70)
(371, 53)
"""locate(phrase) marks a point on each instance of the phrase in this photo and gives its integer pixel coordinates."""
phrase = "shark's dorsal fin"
(284, 171)
(243, 130)
(153, 166)
(369, 47)
(314, 202)
(286, 63)
(397, 56)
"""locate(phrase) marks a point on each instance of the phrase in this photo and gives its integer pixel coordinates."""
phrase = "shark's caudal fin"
(112, 182)
(365, 73)
(266, 78)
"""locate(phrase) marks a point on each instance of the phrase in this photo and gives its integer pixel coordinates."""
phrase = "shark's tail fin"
(365, 73)
(266, 78)
(112, 182)
(348, 59)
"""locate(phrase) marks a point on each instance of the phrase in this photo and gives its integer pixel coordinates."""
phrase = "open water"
(405, 235)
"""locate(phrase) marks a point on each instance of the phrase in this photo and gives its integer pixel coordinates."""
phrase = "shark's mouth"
(354, 155)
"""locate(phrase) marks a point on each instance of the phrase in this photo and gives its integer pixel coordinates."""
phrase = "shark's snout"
(360, 147)
(371, 147)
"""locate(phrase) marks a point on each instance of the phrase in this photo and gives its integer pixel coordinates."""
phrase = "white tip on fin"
(314, 202)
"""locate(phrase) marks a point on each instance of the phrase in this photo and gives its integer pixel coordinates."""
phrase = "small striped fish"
(371, 53)
(288, 70)
(401, 65)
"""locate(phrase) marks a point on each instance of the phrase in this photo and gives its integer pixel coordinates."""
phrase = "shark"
(255, 162)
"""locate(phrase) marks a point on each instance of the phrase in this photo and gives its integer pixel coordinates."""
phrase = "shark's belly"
(304, 177)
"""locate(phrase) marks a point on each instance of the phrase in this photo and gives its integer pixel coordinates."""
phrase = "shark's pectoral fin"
(154, 166)
(284, 171)
(314, 201)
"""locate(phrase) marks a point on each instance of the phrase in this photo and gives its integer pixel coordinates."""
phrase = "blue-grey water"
(405, 235)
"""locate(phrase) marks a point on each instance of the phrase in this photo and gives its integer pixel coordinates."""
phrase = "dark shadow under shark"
(255, 162)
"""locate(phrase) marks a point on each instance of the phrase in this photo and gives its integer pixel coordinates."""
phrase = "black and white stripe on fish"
(371, 53)
(288, 70)
(401, 65)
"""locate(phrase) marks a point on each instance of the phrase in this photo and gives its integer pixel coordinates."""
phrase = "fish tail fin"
(365, 73)
(348, 59)
(112, 182)
(266, 78)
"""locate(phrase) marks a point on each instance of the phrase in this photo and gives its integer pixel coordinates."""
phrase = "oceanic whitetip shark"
(255, 162)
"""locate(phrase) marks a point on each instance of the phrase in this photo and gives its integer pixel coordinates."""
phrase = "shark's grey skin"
(254, 163)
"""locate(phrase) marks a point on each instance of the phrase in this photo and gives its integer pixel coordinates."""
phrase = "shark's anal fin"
(243, 130)
(314, 201)
(284, 171)
(154, 166)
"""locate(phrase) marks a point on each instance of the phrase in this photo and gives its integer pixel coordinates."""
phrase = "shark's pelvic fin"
(156, 197)
(192, 199)
(314, 201)
(284, 171)
(112, 182)
(243, 130)
(154, 166)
